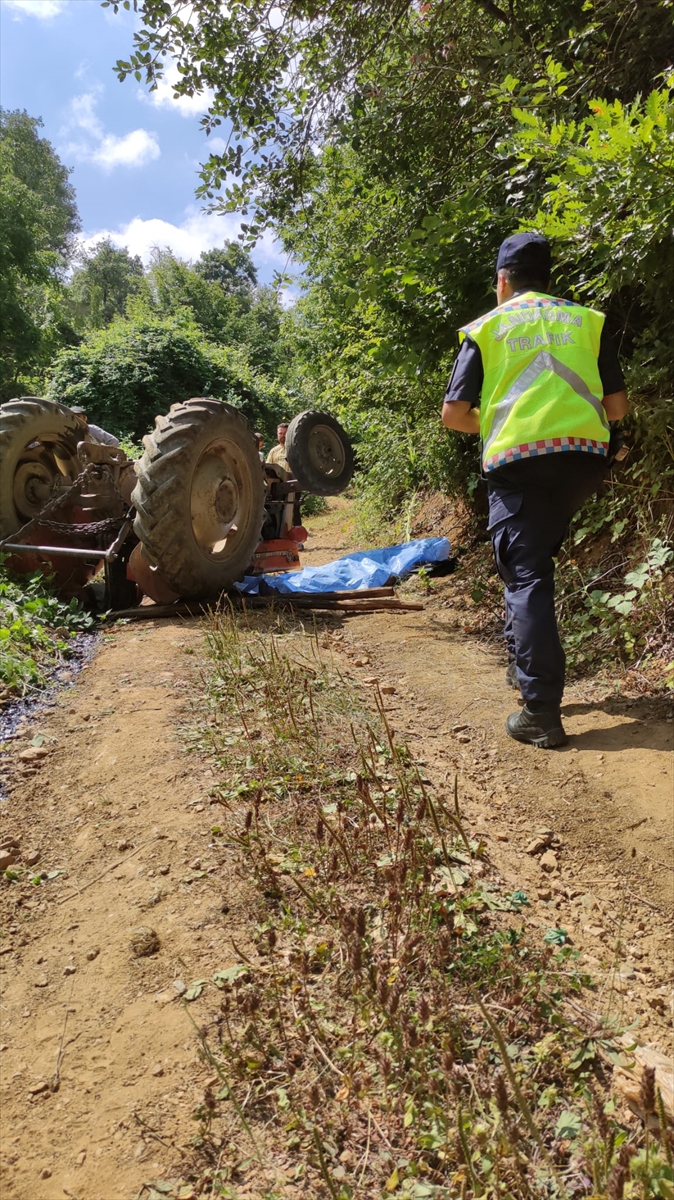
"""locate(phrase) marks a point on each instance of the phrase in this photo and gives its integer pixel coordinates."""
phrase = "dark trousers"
(530, 505)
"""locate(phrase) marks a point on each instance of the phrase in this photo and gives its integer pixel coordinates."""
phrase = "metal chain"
(60, 498)
(84, 526)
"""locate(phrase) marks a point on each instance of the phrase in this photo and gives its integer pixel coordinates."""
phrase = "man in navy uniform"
(539, 379)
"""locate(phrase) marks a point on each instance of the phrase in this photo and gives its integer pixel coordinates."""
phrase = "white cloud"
(216, 145)
(197, 232)
(107, 150)
(83, 113)
(44, 10)
(164, 97)
(132, 150)
(288, 297)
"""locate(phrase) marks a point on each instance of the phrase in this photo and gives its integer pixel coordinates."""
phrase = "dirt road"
(100, 1076)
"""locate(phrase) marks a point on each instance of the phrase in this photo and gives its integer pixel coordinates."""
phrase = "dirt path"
(116, 794)
(121, 803)
(619, 759)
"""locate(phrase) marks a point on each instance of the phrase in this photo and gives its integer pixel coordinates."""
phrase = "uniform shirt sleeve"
(467, 376)
(610, 371)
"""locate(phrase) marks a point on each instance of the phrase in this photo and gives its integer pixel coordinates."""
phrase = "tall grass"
(398, 1029)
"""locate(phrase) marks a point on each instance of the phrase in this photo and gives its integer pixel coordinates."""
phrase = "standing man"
(538, 378)
(101, 436)
(277, 454)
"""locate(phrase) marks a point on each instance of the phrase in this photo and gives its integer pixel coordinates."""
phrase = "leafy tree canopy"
(158, 336)
(400, 76)
(127, 374)
(102, 283)
(34, 162)
(231, 266)
(219, 293)
(38, 220)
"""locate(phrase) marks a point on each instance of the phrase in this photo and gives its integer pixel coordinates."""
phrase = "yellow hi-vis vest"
(542, 391)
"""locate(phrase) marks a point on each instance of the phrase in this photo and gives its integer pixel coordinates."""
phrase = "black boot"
(537, 725)
(511, 673)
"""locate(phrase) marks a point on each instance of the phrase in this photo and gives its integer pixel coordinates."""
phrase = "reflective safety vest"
(542, 391)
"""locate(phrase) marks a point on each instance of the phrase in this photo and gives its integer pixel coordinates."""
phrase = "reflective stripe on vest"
(524, 412)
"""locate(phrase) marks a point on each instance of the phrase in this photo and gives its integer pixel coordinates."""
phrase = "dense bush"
(36, 631)
(127, 373)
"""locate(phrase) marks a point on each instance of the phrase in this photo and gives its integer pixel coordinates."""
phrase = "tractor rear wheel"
(38, 449)
(199, 497)
(319, 453)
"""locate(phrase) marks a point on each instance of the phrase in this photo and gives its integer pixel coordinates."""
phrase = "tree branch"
(494, 11)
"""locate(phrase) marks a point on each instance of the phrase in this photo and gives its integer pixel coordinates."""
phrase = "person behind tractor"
(101, 436)
(277, 454)
(259, 442)
(539, 379)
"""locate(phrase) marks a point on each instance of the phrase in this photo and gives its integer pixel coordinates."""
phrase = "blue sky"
(134, 155)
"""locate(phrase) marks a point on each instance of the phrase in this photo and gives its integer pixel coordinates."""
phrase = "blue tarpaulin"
(365, 569)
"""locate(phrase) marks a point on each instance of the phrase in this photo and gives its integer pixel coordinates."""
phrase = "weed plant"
(36, 630)
(314, 506)
(399, 1031)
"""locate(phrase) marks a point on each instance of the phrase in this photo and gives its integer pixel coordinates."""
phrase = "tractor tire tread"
(308, 475)
(162, 496)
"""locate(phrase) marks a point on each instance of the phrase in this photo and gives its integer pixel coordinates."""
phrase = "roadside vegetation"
(432, 132)
(392, 1026)
(36, 633)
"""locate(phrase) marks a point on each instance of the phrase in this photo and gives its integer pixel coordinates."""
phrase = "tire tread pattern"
(22, 421)
(306, 473)
(162, 497)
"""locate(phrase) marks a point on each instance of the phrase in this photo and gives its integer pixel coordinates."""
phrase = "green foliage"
(137, 367)
(36, 166)
(231, 266)
(314, 506)
(404, 76)
(610, 613)
(607, 203)
(156, 337)
(38, 219)
(36, 629)
(220, 295)
(102, 284)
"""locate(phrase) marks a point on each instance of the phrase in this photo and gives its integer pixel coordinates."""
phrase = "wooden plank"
(147, 612)
(374, 606)
(314, 597)
(382, 602)
(362, 600)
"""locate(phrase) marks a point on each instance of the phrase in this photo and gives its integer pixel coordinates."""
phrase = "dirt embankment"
(121, 804)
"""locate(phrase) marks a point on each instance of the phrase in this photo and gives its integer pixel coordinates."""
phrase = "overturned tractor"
(189, 519)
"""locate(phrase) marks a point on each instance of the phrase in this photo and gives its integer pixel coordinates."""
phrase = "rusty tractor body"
(188, 519)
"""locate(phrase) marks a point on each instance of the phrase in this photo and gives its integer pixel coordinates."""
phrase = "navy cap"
(526, 254)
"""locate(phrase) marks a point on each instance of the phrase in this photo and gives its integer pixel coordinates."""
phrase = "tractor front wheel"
(319, 453)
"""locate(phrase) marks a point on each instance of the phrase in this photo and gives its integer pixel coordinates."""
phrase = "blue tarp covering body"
(365, 569)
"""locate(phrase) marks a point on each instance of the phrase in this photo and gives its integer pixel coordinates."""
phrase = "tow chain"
(60, 498)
